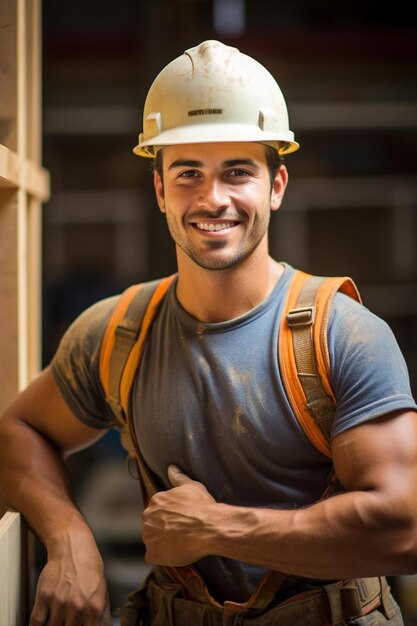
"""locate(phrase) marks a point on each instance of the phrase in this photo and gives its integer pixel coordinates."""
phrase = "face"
(218, 199)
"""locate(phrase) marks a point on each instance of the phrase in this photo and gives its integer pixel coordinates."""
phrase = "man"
(240, 485)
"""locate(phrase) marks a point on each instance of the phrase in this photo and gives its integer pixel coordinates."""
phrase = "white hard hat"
(214, 93)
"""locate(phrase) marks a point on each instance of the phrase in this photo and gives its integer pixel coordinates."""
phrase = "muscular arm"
(36, 433)
(370, 530)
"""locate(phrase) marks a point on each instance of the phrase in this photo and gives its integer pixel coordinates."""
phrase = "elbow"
(404, 544)
(408, 556)
(395, 525)
(406, 564)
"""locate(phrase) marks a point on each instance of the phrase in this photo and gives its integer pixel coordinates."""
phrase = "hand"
(72, 591)
(176, 523)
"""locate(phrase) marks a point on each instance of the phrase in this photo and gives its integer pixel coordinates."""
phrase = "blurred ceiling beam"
(114, 120)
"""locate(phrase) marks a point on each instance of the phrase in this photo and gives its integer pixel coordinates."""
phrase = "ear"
(278, 187)
(159, 190)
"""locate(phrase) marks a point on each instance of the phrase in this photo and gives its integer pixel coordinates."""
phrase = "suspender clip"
(302, 316)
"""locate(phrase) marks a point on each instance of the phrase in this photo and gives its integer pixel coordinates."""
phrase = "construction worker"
(238, 530)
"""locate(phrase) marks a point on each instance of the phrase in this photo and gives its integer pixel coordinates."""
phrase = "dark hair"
(273, 161)
(157, 163)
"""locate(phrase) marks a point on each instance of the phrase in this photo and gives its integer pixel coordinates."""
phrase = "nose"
(213, 195)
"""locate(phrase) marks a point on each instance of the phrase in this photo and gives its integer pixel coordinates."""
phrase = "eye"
(238, 173)
(188, 174)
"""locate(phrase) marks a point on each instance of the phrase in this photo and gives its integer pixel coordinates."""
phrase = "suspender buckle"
(126, 328)
(302, 316)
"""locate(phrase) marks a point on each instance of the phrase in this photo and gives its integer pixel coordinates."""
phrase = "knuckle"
(94, 611)
(44, 596)
(84, 607)
(76, 605)
(157, 499)
(59, 603)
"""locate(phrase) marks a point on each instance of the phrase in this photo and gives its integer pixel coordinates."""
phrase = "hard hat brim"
(216, 133)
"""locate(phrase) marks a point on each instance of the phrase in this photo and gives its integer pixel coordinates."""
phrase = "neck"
(217, 296)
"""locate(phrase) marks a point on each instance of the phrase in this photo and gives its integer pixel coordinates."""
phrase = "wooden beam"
(8, 297)
(8, 73)
(12, 576)
(17, 172)
(34, 285)
(24, 185)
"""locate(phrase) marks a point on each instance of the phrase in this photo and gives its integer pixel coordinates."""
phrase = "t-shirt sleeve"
(75, 366)
(369, 375)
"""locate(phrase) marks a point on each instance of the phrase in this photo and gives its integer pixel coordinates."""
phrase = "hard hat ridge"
(211, 51)
(214, 93)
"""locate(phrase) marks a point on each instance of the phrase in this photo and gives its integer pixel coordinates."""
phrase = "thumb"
(177, 477)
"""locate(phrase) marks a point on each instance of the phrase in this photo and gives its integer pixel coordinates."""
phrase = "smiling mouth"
(214, 226)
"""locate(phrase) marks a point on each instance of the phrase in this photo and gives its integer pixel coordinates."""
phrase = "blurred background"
(348, 72)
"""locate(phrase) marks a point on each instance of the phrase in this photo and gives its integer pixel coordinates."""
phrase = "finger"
(39, 613)
(177, 477)
(107, 618)
(57, 615)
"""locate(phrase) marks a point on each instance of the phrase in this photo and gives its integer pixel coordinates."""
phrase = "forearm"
(369, 530)
(34, 481)
(35, 432)
(350, 535)
(355, 534)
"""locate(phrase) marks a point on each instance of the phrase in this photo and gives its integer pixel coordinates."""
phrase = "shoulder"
(79, 348)
(355, 325)
(86, 332)
(75, 365)
(356, 335)
(369, 374)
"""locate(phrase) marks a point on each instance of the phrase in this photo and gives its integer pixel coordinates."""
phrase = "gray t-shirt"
(209, 397)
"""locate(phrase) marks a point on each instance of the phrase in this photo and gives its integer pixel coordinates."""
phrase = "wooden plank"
(8, 297)
(23, 186)
(34, 285)
(21, 120)
(12, 578)
(9, 167)
(33, 80)
(22, 289)
(35, 180)
(8, 73)
(15, 171)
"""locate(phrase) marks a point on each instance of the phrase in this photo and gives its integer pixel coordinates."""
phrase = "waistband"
(330, 606)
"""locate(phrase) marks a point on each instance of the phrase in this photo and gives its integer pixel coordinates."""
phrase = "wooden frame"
(24, 185)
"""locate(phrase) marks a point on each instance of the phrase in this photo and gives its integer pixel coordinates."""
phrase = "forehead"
(214, 153)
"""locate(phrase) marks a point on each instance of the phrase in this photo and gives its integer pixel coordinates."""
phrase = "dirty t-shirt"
(209, 397)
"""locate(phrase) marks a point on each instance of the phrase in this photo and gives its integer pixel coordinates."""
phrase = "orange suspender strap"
(121, 350)
(127, 327)
(304, 356)
(135, 355)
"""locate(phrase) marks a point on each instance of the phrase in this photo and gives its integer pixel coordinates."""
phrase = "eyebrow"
(236, 162)
(184, 163)
(228, 163)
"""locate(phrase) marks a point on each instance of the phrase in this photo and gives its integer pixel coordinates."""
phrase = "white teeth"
(223, 226)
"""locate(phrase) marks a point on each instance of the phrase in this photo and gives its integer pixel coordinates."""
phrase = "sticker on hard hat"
(205, 112)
